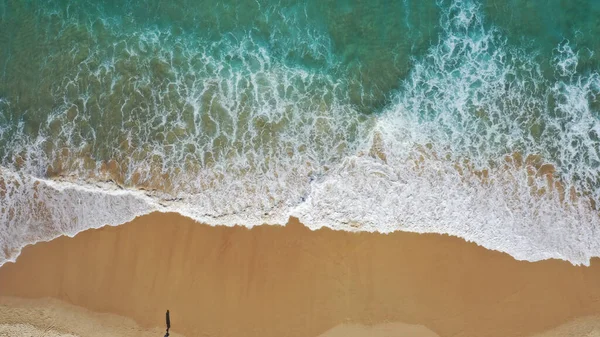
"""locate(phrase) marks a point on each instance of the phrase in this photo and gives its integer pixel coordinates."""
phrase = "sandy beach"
(263, 168)
(289, 281)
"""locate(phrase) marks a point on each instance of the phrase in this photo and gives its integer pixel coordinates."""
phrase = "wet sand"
(290, 281)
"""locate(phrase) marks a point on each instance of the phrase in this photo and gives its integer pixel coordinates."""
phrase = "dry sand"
(290, 281)
(50, 317)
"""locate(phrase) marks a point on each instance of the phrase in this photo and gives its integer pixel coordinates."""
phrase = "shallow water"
(473, 118)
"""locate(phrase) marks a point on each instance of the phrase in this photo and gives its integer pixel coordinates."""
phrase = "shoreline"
(30, 200)
(290, 280)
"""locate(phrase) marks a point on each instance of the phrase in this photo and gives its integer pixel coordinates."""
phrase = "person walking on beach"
(168, 324)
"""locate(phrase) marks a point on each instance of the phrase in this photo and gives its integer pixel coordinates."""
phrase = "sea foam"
(475, 142)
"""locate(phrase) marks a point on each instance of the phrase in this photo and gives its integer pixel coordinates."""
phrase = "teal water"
(356, 115)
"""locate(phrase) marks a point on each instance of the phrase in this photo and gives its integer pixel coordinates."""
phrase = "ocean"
(479, 119)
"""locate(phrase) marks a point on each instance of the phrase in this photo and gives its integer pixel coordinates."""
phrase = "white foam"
(271, 141)
(34, 210)
(367, 195)
(469, 103)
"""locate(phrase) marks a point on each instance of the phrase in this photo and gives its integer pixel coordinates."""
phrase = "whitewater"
(476, 137)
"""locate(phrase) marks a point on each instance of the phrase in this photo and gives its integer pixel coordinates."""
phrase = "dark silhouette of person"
(168, 324)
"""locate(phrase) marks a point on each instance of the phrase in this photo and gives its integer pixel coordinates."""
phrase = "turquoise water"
(356, 115)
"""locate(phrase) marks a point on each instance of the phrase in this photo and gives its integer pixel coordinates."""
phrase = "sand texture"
(290, 281)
